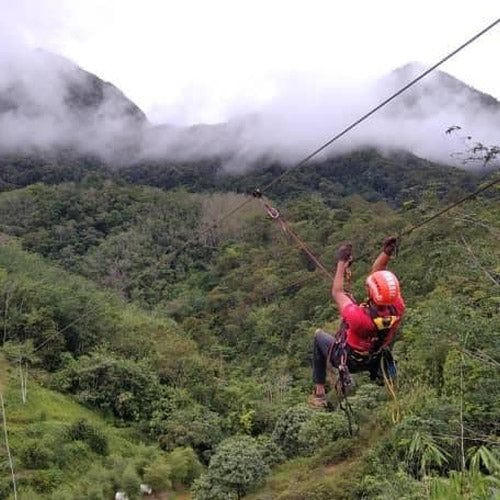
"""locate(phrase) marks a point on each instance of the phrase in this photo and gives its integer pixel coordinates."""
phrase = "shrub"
(271, 451)
(238, 464)
(196, 427)
(208, 488)
(157, 475)
(72, 454)
(184, 464)
(130, 481)
(287, 429)
(36, 455)
(321, 429)
(82, 430)
(44, 481)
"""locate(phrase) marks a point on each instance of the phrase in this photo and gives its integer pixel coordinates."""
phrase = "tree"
(157, 475)
(322, 429)
(238, 465)
(287, 429)
(184, 465)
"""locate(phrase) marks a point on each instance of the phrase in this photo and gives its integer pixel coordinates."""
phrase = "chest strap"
(383, 324)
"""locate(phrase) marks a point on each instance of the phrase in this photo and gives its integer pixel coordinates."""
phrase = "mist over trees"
(48, 104)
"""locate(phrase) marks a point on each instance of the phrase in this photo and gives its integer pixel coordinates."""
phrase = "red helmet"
(383, 287)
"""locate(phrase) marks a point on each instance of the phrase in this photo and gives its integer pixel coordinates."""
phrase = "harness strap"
(383, 325)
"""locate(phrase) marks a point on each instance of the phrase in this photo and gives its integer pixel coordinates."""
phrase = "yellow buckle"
(384, 323)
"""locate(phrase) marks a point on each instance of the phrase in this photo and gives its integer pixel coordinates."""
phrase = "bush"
(321, 429)
(72, 454)
(195, 426)
(44, 481)
(157, 475)
(271, 452)
(127, 388)
(237, 465)
(208, 488)
(184, 465)
(82, 430)
(287, 429)
(36, 455)
(130, 481)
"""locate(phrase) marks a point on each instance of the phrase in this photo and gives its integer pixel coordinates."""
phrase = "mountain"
(48, 102)
(290, 128)
(437, 91)
(208, 354)
(80, 94)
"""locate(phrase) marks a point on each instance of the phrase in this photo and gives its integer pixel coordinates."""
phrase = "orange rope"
(275, 214)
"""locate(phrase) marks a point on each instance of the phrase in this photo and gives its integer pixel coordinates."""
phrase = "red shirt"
(361, 332)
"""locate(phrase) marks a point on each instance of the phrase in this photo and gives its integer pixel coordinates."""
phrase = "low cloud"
(304, 115)
(48, 102)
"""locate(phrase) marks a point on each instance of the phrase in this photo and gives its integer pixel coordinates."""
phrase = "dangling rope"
(23, 372)
(346, 407)
(391, 389)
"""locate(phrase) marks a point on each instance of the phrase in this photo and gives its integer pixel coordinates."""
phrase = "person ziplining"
(367, 330)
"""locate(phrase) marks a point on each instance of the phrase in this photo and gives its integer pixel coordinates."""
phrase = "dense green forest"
(142, 343)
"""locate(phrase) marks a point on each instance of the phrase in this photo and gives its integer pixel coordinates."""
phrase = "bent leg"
(321, 345)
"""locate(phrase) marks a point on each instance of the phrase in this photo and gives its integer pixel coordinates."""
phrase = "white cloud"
(300, 70)
(198, 61)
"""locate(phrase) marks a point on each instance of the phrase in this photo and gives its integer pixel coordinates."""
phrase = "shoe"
(316, 401)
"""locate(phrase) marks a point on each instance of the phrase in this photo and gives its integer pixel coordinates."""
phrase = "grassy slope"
(48, 413)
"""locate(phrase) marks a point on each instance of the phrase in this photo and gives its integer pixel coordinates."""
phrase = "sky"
(207, 61)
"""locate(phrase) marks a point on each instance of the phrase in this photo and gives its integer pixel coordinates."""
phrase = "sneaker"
(317, 401)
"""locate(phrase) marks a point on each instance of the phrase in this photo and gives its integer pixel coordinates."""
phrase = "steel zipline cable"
(342, 133)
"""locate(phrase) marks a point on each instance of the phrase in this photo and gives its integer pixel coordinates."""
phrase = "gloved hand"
(344, 253)
(390, 245)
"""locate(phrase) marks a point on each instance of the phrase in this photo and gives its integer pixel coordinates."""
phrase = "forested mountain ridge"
(230, 370)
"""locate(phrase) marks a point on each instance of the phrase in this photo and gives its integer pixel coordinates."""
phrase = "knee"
(318, 335)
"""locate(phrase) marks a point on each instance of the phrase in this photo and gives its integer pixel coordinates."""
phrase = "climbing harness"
(338, 350)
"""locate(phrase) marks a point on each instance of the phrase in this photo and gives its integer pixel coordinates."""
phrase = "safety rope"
(346, 407)
(486, 186)
(276, 215)
(391, 389)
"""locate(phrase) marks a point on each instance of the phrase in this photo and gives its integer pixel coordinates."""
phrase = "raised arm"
(384, 257)
(344, 258)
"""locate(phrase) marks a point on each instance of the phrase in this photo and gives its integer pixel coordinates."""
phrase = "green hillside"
(187, 344)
